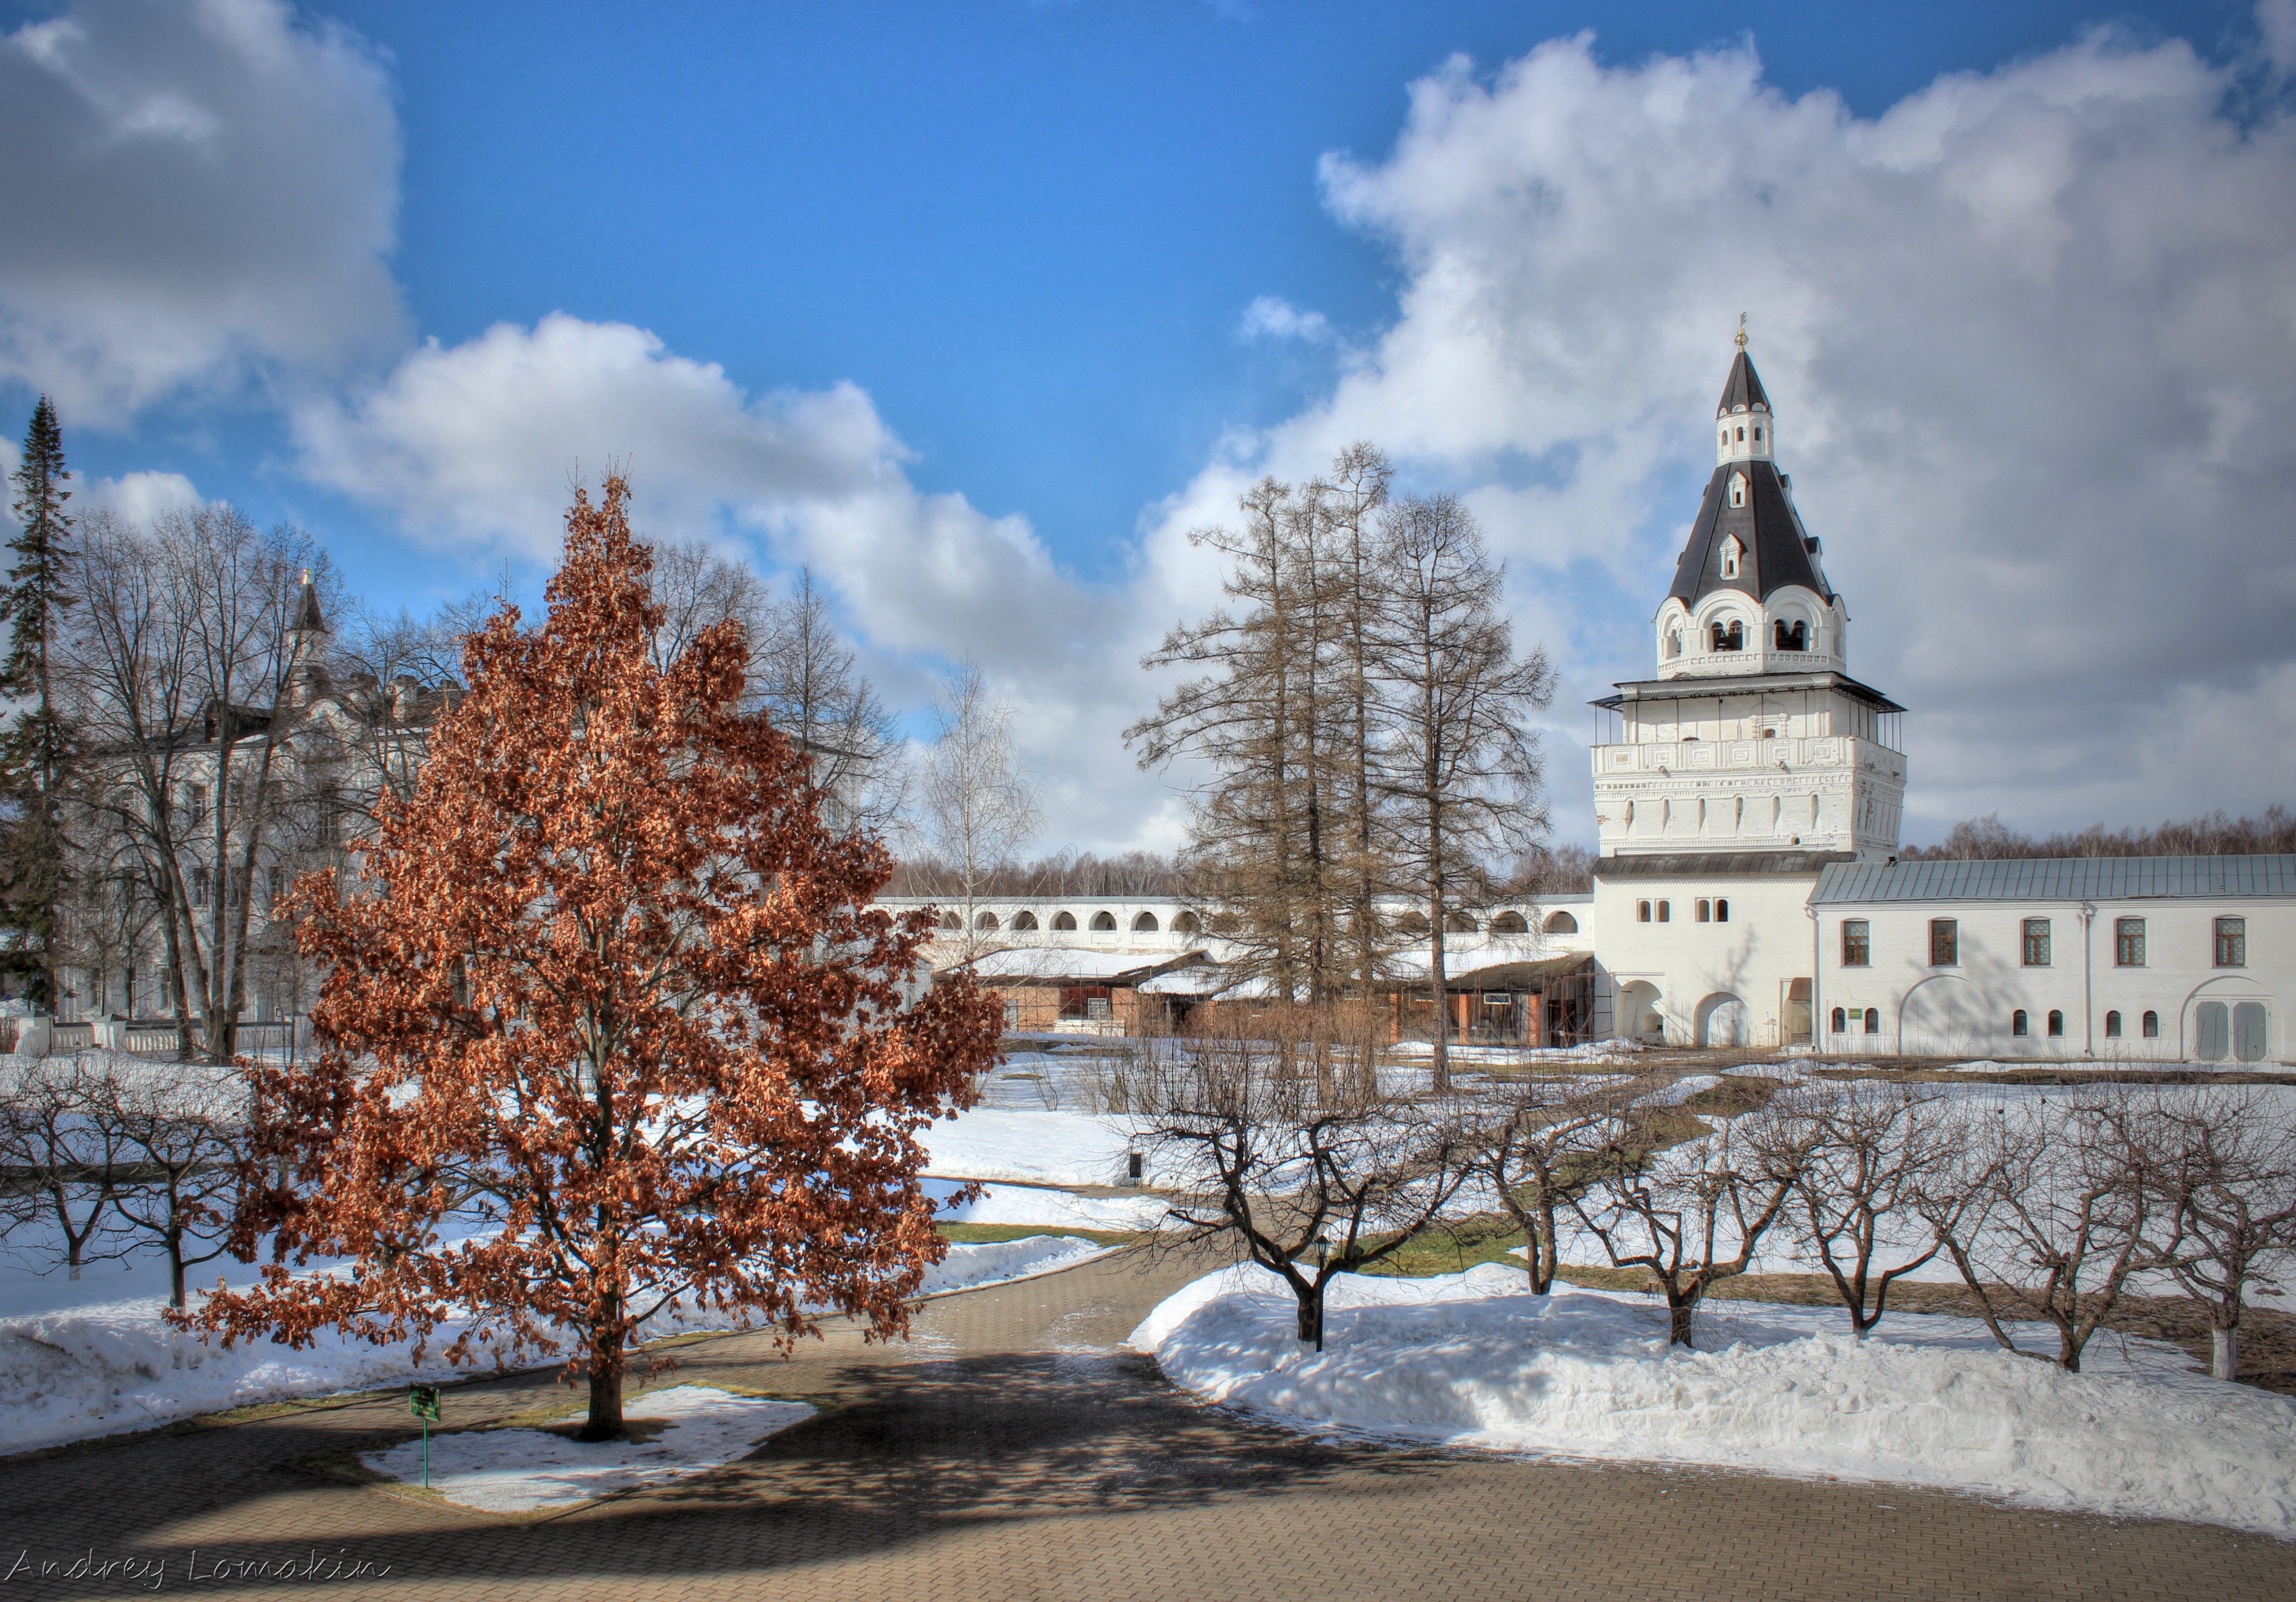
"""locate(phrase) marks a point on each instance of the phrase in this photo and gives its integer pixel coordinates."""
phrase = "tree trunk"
(605, 1420)
(1311, 1317)
(2224, 1352)
(1678, 1316)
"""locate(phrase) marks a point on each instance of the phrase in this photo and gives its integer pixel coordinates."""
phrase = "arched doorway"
(1639, 1018)
(1722, 1020)
(1945, 1015)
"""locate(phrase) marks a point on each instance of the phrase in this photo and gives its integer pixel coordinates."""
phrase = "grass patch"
(1452, 1249)
(974, 1234)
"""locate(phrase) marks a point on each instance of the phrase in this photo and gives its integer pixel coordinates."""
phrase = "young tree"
(36, 747)
(180, 1128)
(1537, 1149)
(1694, 1215)
(1463, 773)
(609, 994)
(978, 808)
(2231, 1178)
(1261, 1160)
(64, 1159)
(2059, 1202)
(1872, 1158)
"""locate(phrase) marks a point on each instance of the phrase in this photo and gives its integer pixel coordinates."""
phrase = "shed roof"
(2060, 879)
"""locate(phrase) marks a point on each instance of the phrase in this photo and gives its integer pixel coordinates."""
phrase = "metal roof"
(2059, 879)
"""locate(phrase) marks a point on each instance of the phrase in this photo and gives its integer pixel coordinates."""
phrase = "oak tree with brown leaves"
(608, 1027)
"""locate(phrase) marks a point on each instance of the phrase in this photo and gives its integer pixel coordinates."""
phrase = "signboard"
(422, 1401)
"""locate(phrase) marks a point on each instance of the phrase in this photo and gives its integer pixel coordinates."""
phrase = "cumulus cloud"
(1272, 318)
(138, 497)
(2032, 336)
(476, 445)
(200, 188)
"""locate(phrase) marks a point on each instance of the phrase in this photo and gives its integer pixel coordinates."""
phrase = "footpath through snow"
(106, 1369)
(1471, 1359)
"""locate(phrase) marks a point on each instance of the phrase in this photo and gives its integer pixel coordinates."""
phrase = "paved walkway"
(1010, 1452)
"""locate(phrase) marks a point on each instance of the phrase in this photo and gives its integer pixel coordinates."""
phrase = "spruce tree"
(34, 747)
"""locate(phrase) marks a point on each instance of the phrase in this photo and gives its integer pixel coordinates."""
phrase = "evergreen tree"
(36, 746)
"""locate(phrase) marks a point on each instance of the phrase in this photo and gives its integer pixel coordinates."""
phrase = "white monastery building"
(1748, 799)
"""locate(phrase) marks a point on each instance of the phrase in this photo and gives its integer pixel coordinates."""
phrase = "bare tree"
(806, 678)
(1878, 1165)
(1537, 1148)
(1463, 773)
(62, 1158)
(1262, 1160)
(2059, 1201)
(182, 1128)
(1693, 1214)
(978, 808)
(2231, 1178)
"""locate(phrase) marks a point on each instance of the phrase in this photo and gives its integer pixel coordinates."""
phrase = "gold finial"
(1742, 331)
(306, 572)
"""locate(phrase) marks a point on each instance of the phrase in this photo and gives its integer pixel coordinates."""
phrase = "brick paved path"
(1009, 1452)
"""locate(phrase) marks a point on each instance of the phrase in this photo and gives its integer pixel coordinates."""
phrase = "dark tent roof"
(1775, 549)
(1743, 390)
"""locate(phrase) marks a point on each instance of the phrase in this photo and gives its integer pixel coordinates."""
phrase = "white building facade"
(1749, 798)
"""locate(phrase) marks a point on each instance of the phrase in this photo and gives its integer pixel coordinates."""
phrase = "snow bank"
(1468, 1359)
(107, 1369)
(519, 1470)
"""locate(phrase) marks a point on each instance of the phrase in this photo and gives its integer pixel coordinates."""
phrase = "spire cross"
(1742, 331)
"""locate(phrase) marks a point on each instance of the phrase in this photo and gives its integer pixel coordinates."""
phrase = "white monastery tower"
(1753, 738)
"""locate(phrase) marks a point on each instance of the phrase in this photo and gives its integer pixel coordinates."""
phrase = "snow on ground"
(1061, 1209)
(1041, 1148)
(107, 1368)
(1471, 1359)
(1504, 1057)
(523, 1470)
(1681, 1090)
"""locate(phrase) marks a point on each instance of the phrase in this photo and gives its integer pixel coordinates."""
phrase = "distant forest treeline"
(1989, 839)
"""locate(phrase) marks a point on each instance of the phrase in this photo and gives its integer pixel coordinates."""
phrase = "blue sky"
(1027, 239)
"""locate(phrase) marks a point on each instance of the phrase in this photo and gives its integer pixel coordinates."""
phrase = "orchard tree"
(607, 1028)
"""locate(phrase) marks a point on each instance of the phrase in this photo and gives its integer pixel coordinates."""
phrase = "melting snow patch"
(1468, 1359)
(523, 1471)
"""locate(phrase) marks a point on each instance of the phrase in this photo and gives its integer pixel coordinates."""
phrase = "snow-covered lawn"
(1471, 1359)
(1036, 1148)
(523, 1470)
(1028, 1205)
(100, 1370)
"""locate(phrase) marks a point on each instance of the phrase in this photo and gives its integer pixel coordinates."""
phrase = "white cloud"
(138, 497)
(1272, 318)
(2032, 336)
(199, 188)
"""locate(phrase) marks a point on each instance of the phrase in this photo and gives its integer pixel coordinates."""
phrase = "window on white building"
(1856, 943)
(2056, 1024)
(2128, 942)
(2232, 942)
(1945, 942)
(2037, 943)
(2113, 1026)
(2018, 1025)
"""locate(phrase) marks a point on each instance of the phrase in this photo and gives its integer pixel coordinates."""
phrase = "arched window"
(1873, 1020)
(1841, 1023)
(1738, 482)
(1673, 644)
(2056, 1024)
(1510, 922)
(1186, 922)
(2152, 1025)
(1104, 920)
(1145, 923)
(1731, 551)
(1414, 923)
(1064, 920)
(1742, 430)
(1795, 637)
(1665, 911)
(949, 920)
(2018, 1025)
(2113, 1026)
(1642, 912)
(1704, 910)
(1721, 910)
(1732, 638)
(1458, 923)
(986, 920)
(1024, 920)
(1757, 433)
(1560, 923)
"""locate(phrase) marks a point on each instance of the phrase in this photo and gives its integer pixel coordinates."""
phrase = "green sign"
(422, 1401)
